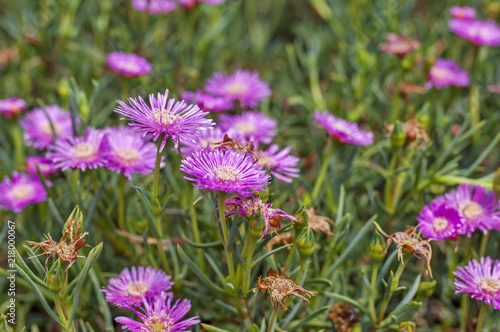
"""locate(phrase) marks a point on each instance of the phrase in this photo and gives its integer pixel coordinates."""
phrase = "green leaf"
(347, 299)
(146, 205)
(409, 296)
(21, 263)
(308, 318)
(201, 245)
(213, 328)
(54, 212)
(214, 267)
(267, 254)
(36, 262)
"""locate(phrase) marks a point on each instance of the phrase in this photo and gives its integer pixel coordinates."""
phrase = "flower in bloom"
(44, 165)
(129, 153)
(131, 286)
(128, 64)
(206, 140)
(481, 280)
(11, 107)
(163, 116)
(188, 4)
(399, 45)
(445, 73)
(439, 221)
(159, 314)
(477, 32)
(84, 152)
(38, 124)
(464, 13)
(154, 6)
(281, 163)
(477, 207)
(21, 190)
(343, 131)
(208, 102)
(253, 126)
(242, 85)
(229, 171)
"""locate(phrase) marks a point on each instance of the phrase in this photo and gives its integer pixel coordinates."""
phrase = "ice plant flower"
(208, 102)
(477, 207)
(253, 126)
(343, 131)
(481, 280)
(242, 85)
(399, 45)
(438, 221)
(129, 153)
(44, 165)
(177, 120)
(463, 13)
(228, 171)
(38, 126)
(207, 139)
(154, 6)
(281, 164)
(19, 191)
(84, 152)
(445, 73)
(189, 4)
(11, 107)
(128, 64)
(477, 32)
(131, 286)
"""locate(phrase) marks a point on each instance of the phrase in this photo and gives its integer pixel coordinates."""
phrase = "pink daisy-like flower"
(174, 119)
(154, 6)
(84, 152)
(439, 221)
(38, 129)
(253, 126)
(208, 102)
(229, 171)
(445, 73)
(189, 4)
(399, 45)
(159, 314)
(477, 32)
(132, 285)
(280, 163)
(463, 13)
(343, 131)
(242, 85)
(11, 107)
(481, 280)
(45, 166)
(128, 64)
(21, 190)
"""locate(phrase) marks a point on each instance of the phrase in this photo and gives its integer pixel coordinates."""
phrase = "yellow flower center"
(340, 126)
(440, 224)
(129, 66)
(227, 173)
(21, 192)
(209, 142)
(84, 152)
(47, 129)
(164, 117)
(489, 285)
(470, 209)
(245, 127)
(440, 73)
(265, 160)
(156, 324)
(128, 156)
(236, 88)
(137, 288)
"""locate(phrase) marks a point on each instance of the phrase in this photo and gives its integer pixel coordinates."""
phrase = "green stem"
(60, 311)
(272, 320)
(156, 174)
(196, 233)
(17, 137)
(484, 242)
(121, 202)
(292, 251)
(302, 264)
(322, 172)
(247, 255)
(373, 293)
(464, 302)
(395, 284)
(482, 317)
(221, 199)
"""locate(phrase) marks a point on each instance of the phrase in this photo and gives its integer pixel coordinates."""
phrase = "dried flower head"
(414, 131)
(319, 223)
(232, 144)
(343, 316)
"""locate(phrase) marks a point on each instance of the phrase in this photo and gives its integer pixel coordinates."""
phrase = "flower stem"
(156, 174)
(322, 172)
(272, 320)
(484, 242)
(482, 317)
(247, 256)
(121, 202)
(221, 199)
(373, 294)
(60, 311)
(196, 233)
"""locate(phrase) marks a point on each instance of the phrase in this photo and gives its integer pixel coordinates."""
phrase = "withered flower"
(319, 223)
(280, 239)
(343, 316)
(229, 143)
(281, 288)
(414, 131)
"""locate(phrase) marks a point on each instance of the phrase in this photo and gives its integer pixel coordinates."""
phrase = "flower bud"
(407, 63)
(423, 116)
(493, 9)
(305, 243)
(83, 105)
(407, 327)
(257, 225)
(63, 88)
(302, 221)
(377, 250)
(426, 289)
(55, 277)
(398, 136)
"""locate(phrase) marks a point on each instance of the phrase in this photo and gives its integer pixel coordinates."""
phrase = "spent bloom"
(131, 286)
(242, 85)
(253, 126)
(445, 73)
(477, 32)
(38, 126)
(208, 102)
(154, 6)
(11, 107)
(21, 190)
(481, 280)
(159, 314)
(281, 164)
(439, 221)
(399, 45)
(228, 171)
(44, 165)
(128, 64)
(177, 120)
(343, 131)
(463, 13)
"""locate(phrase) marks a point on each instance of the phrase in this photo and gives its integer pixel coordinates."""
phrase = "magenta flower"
(205, 140)
(463, 13)
(131, 286)
(343, 131)
(188, 4)
(154, 6)
(445, 73)
(439, 221)
(253, 126)
(281, 164)
(477, 32)
(208, 102)
(399, 45)
(242, 85)
(11, 107)
(229, 171)
(174, 119)
(44, 165)
(38, 130)
(159, 314)
(84, 152)
(128, 64)
(20, 191)
(481, 280)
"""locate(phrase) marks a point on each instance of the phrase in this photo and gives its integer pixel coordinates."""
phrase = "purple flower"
(174, 119)
(281, 164)
(477, 32)
(205, 141)
(128, 64)
(399, 45)
(159, 314)
(208, 102)
(229, 171)
(129, 153)
(132, 285)
(38, 130)
(343, 131)
(84, 152)
(481, 280)
(477, 207)
(464, 13)
(242, 85)
(188, 4)
(20, 191)
(253, 126)
(11, 107)
(44, 165)
(154, 6)
(445, 73)
(439, 221)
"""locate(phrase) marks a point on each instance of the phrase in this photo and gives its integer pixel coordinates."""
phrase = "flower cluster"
(11, 107)
(399, 45)
(343, 131)
(166, 6)
(128, 64)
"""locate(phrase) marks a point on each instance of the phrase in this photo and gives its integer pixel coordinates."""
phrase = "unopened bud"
(54, 280)
(377, 250)
(423, 116)
(306, 243)
(398, 136)
(63, 88)
(257, 225)
(426, 289)
(407, 327)
(83, 105)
